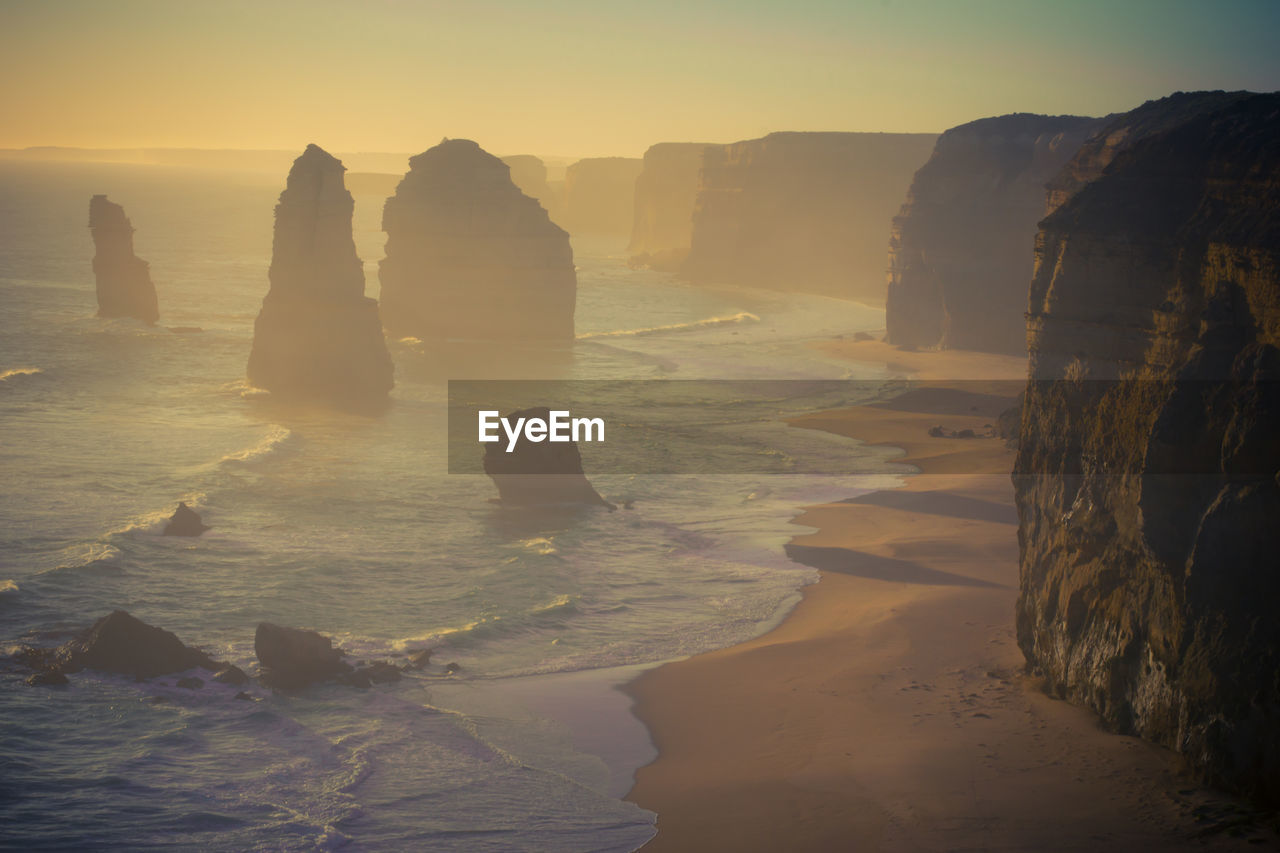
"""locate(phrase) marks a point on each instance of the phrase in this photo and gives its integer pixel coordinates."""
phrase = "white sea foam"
(732, 319)
(154, 520)
(19, 371)
(89, 556)
(275, 439)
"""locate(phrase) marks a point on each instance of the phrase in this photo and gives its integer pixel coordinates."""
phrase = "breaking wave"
(19, 371)
(733, 319)
(272, 442)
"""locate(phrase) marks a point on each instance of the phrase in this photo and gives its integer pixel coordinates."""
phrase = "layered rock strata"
(469, 256)
(318, 336)
(1147, 473)
(600, 196)
(123, 280)
(666, 192)
(961, 249)
(805, 212)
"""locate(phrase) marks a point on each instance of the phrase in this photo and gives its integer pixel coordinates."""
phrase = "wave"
(709, 322)
(92, 556)
(8, 589)
(19, 371)
(272, 442)
(155, 520)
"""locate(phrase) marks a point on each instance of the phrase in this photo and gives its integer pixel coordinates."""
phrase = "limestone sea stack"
(666, 191)
(961, 250)
(539, 473)
(805, 212)
(123, 279)
(318, 336)
(529, 173)
(1146, 477)
(469, 256)
(599, 196)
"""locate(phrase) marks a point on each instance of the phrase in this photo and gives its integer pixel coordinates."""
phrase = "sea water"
(351, 526)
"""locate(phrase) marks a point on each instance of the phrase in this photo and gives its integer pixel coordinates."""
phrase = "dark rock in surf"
(122, 644)
(185, 522)
(232, 675)
(123, 279)
(292, 658)
(49, 678)
(539, 473)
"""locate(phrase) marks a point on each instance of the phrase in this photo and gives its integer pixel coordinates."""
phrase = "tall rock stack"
(962, 248)
(318, 336)
(1146, 477)
(469, 256)
(529, 173)
(666, 192)
(804, 212)
(123, 279)
(600, 196)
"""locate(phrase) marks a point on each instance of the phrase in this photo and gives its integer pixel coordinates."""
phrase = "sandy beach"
(889, 710)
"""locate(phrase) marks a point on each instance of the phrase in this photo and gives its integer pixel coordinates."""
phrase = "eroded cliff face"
(317, 335)
(123, 279)
(805, 212)
(469, 256)
(1146, 477)
(960, 252)
(529, 173)
(666, 191)
(600, 196)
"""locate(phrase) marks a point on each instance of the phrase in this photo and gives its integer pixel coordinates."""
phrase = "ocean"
(351, 526)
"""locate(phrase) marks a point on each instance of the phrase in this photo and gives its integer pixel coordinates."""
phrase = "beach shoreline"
(889, 709)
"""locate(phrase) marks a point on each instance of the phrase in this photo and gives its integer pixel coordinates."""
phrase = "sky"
(566, 77)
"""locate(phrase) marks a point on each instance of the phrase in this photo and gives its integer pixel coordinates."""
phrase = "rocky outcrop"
(666, 191)
(1146, 477)
(123, 279)
(469, 256)
(600, 196)
(185, 521)
(529, 173)
(318, 336)
(805, 212)
(539, 473)
(961, 249)
(122, 644)
(291, 658)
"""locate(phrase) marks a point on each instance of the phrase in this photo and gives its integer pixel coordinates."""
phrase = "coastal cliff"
(599, 196)
(318, 335)
(665, 194)
(529, 173)
(123, 279)
(1146, 477)
(469, 256)
(960, 252)
(806, 212)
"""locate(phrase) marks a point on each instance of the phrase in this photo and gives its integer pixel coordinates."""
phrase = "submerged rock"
(318, 336)
(469, 256)
(123, 279)
(1146, 477)
(539, 473)
(292, 658)
(121, 643)
(185, 521)
(962, 248)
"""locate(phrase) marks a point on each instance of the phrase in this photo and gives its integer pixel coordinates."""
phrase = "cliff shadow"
(863, 565)
(940, 503)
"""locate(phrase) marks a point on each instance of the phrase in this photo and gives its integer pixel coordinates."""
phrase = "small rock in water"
(420, 658)
(52, 678)
(185, 521)
(231, 675)
(451, 668)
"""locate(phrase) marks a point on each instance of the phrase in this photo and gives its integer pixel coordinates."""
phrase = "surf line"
(558, 426)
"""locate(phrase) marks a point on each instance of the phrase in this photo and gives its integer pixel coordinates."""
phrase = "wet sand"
(889, 710)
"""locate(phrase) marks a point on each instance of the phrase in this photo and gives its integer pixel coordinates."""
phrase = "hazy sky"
(588, 78)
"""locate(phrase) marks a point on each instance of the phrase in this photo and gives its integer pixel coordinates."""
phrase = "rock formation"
(185, 521)
(318, 336)
(469, 256)
(666, 191)
(1146, 476)
(529, 173)
(961, 250)
(539, 474)
(122, 644)
(291, 658)
(805, 212)
(123, 279)
(600, 196)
